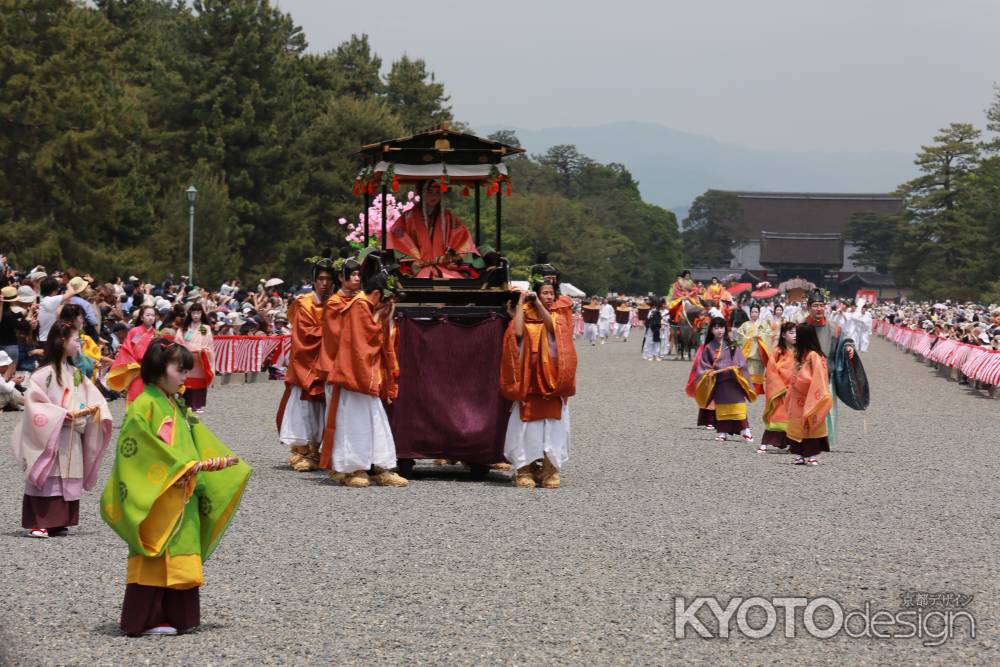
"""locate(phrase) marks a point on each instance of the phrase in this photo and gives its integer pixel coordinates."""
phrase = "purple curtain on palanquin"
(449, 403)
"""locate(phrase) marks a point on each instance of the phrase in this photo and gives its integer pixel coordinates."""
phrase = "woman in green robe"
(172, 492)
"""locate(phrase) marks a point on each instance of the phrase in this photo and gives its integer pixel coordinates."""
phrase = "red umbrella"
(739, 288)
(764, 293)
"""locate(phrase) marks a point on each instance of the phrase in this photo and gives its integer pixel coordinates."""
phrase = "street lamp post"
(192, 195)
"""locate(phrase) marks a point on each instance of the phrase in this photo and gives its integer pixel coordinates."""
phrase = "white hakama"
(622, 330)
(303, 421)
(527, 442)
(653, 350)
(361, 436)
(590, 333)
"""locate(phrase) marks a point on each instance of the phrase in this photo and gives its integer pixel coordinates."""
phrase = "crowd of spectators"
(32, 299)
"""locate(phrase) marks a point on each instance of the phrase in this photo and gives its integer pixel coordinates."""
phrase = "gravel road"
(451, 571)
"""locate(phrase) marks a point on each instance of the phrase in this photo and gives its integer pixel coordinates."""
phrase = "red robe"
(358, 354)
(530, 375)
(124, 373)
(410, 236)
(305, 316)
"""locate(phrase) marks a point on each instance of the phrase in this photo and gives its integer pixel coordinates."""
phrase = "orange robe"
(305, 315)
(358, 354)
(777, 375)
(530, 375)
(410, 236)
(808, 399)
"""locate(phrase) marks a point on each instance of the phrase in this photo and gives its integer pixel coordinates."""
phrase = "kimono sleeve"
(219, 492)
(140, 500)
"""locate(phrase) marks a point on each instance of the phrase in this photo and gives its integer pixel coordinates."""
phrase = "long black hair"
(187, 316)
(785, 328)
(718, 322)
(55, 346)
(806, 340)
(161, 352)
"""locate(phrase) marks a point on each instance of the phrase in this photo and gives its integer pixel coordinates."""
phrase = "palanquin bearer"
(721, 376)
(302, 412)
(538, 373)
(172, 493)
(358, 363)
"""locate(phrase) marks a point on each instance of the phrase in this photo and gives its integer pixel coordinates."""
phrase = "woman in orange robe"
(358, 363)
(430, 238)
(808, 399)
(538, 373)
(780, 367)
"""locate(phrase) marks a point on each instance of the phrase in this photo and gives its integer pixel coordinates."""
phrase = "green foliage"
(941, 243)
(713, 224)
(111, 109)
(415, 96)
(589, 219)
(876, 236)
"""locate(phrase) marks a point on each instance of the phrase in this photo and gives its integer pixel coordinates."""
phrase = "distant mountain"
(674, 167)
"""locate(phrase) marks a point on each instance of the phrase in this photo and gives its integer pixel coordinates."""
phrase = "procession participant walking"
(605, 321)
(538, 373)
(125, 376)
(721, 376)
(754, 338)
(834, 344)
(591, 315)
(62, 437)
(808, 400)
(302, 412)
(653, 342)
(623, 320)
(196, 336)
(358, 363)
(172, 493)
(780, 367)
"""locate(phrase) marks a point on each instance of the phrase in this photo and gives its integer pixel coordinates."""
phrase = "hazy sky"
(783, 74)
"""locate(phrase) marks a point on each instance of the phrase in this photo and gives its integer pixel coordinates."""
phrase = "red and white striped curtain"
(976, 362)
(247, 354)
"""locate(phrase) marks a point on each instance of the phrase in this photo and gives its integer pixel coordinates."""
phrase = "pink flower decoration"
(39, 420)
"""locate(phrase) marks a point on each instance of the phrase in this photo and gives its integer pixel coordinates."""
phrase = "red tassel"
(371, 187)
(357, 188)
(510, 190)
(395, 184)
(465, 191)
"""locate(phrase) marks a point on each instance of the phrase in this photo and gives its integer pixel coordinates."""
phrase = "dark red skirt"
(775, 439)
(148, 606)
(196, 398)
(49, 512)
(731, 426)
(809, 446)
(706, 417)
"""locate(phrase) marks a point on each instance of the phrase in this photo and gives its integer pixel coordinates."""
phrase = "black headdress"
(817, 296)
(543, 273)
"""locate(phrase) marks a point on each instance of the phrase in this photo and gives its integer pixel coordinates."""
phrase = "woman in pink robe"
(430, 241)
(196, 336)
(62, 437)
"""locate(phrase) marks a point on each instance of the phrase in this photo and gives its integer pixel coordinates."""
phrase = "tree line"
(111, 109)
